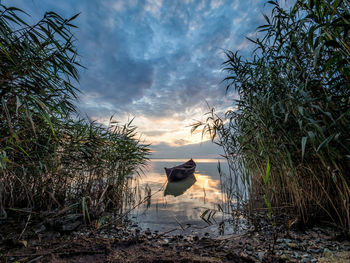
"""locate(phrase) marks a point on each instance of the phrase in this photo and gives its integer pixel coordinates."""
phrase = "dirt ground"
(73, 249)
(252, 246)
(68, 242)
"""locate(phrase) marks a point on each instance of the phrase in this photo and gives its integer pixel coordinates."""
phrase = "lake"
(179, 205)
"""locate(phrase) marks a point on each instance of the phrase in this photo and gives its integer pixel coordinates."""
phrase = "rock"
(305, 260)
(327, 253)
(71, 226)
(66, 223)
(317, 240)
(296, 255)
(282, 245)
(249, 247)
(306, 255)
(148, 232)
(165, 242)
(316, 250)
(284, 240)
(292, 245)
(261, 255)
(40, 229)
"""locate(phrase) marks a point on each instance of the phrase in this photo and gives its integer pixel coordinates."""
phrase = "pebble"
(296, 255)
(40, 229)
(261, 255)
(284, 240)
(283, 245)
(148, 232)
(292, 245)
(316, 250)
(305, 260)
(327, 252)
(249, 247)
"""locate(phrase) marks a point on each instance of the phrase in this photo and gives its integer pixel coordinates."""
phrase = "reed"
(49, 157)
(291, 124)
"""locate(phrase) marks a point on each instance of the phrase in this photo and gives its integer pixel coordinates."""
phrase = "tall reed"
(49, 158)
(291, 124)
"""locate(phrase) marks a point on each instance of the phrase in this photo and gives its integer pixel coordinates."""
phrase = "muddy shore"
(75, 242)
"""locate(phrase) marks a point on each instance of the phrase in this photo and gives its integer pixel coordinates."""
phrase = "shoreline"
(121, 243)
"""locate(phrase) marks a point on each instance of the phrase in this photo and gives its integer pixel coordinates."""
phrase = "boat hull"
(180, 172)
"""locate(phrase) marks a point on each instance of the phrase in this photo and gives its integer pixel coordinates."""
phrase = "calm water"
(179, 205)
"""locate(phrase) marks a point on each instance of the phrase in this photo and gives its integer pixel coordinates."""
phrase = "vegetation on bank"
(50, 157)
(290, 125)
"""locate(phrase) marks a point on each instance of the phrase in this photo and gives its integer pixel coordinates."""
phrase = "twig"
(177, 221)
(169, 231)
(25, 227)
(22, 210)
(42, 254)
(35, 259)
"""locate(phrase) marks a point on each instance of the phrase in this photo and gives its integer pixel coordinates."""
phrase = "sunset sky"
(156, 60)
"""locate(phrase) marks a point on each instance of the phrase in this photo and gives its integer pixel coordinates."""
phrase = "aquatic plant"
(292, 116)
(49, 157)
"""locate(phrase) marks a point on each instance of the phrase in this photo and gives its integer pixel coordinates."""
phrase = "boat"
(180, 172)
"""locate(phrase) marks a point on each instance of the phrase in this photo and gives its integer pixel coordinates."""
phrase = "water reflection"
(179, 187)
(179, 202)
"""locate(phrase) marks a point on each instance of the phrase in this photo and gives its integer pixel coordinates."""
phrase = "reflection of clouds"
(204, 194)
(210, 186)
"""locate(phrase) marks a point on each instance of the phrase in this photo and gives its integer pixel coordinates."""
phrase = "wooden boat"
(181, 171)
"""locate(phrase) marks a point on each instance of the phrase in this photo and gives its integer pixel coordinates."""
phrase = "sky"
(159, 61)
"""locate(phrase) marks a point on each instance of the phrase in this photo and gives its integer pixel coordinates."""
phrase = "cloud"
(158, 60)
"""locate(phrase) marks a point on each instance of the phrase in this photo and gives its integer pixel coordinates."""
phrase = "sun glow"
(173, 130)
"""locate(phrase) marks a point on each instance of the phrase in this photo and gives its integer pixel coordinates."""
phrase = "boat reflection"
(179, 187)
(185, 200)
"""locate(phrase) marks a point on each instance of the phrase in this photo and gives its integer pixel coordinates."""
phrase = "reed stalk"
(293, 111)
(49, 157)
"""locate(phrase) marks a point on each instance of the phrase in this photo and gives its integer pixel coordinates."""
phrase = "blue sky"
(156, 60)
